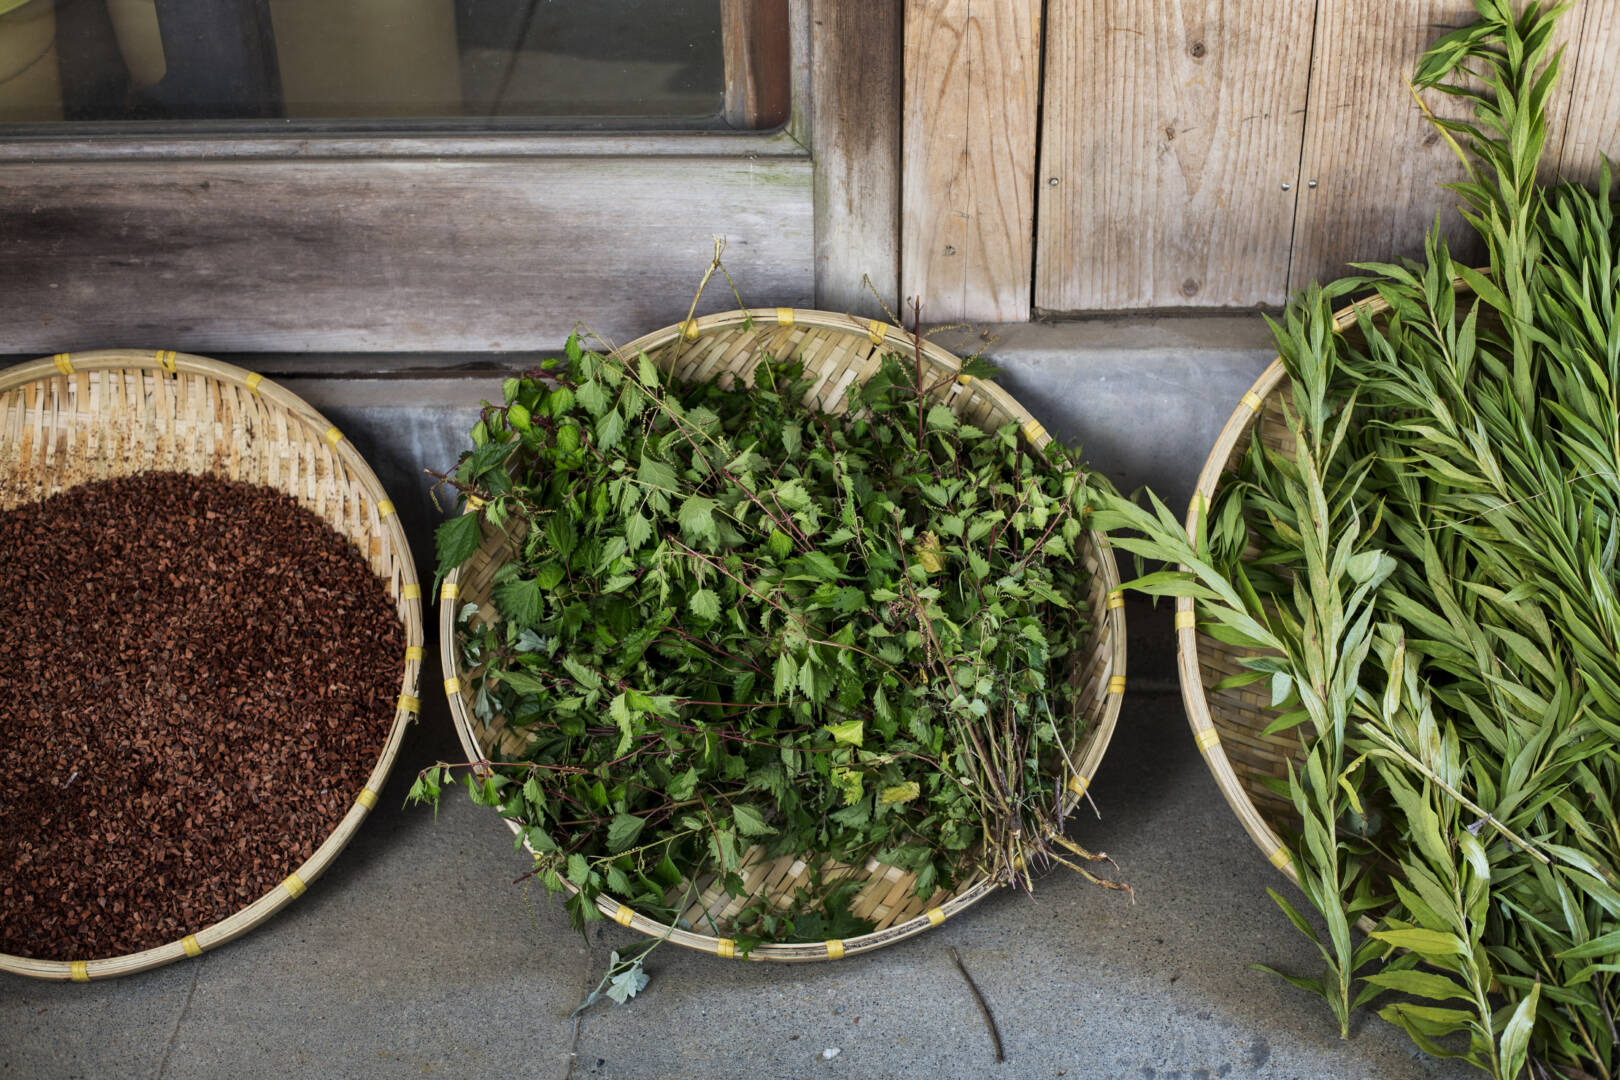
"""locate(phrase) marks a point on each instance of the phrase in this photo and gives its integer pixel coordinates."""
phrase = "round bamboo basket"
(76, 418)
(838, 351)
(1229, 725)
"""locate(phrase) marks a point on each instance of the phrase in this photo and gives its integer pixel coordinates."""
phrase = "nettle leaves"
(734, 621)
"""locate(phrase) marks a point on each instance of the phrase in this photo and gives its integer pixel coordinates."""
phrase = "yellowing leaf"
(900, 793)
(928, 554)
(849, 733)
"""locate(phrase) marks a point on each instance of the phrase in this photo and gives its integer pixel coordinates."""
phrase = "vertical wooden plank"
(967, 191)
(754, 42)
(855, 143)
(1372, 161)
(1590, 127)
(1170, 151)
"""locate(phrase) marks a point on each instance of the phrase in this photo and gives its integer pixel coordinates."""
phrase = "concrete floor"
(415, 955)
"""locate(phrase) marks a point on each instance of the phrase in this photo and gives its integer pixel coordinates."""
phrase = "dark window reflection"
(121, 60)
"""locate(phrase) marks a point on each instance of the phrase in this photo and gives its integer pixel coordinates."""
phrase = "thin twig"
(1606, 474)
(989, 1019)
(1434, 778)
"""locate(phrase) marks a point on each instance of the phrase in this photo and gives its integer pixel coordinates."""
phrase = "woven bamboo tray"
(73, 419)
(838, 351)
(1229, 725)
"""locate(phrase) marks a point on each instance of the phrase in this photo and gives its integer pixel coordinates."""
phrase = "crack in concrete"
(174, 1036)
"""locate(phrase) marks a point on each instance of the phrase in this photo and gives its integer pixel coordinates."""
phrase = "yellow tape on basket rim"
(835, 949)
(725, 948)
(385, 508)
(689, 329)
(877, 330)
(449, 590)
(1116, 599)
(1079, 784)
(452, 685)
(1116, 685)
(253, 380)
(64, 363)
(1186, 620)
(1207, 739)
(784, 316)
(1280, 857)
(1252, 400)
(294, 885)
(78, 971)
(189, 943)
(965, 380)
(333, 436)
(367, 798)
(410, 704)
(936, 916)
(165, 359)
(623, 916)
(1034, 431)
(411, 591)
(414, 652)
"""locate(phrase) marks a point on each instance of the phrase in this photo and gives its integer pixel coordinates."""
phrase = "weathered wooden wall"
(997, 158)
(1171, 137)
(419, 255)
(972, 87)
(1195, 153)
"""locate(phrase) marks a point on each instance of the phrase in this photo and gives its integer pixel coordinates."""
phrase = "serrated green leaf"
(637, 531)
(522, 601)
(750, 822)
(848, 733)
(705, 604)
(696, 517)
(623, 831)
(456, 540)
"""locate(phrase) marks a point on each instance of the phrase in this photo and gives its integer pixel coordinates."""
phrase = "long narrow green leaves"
(1434, 565)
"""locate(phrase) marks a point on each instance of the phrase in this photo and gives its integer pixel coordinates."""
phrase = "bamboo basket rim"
(407, 706)
(1111, 623)
(1200, 716)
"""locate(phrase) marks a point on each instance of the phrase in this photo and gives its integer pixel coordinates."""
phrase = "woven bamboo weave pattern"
(837, 351)
(1230, 724)
(77, 418)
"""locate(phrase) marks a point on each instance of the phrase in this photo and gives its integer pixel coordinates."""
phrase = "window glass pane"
(574, 63)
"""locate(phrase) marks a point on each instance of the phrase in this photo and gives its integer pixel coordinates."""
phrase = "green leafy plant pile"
(734, 621)
(1434, 578)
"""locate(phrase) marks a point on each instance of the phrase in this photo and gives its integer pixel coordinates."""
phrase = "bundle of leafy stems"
(733, 620)
(1432, 582)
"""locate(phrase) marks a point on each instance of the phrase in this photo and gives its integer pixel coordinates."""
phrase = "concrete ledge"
(1144, 397)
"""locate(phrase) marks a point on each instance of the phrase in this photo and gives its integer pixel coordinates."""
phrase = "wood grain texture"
(472, 255)
(1374, 159)
(855, 141)
(754, 38)
(1170, 148)
(1590, 113)
(971, 86)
